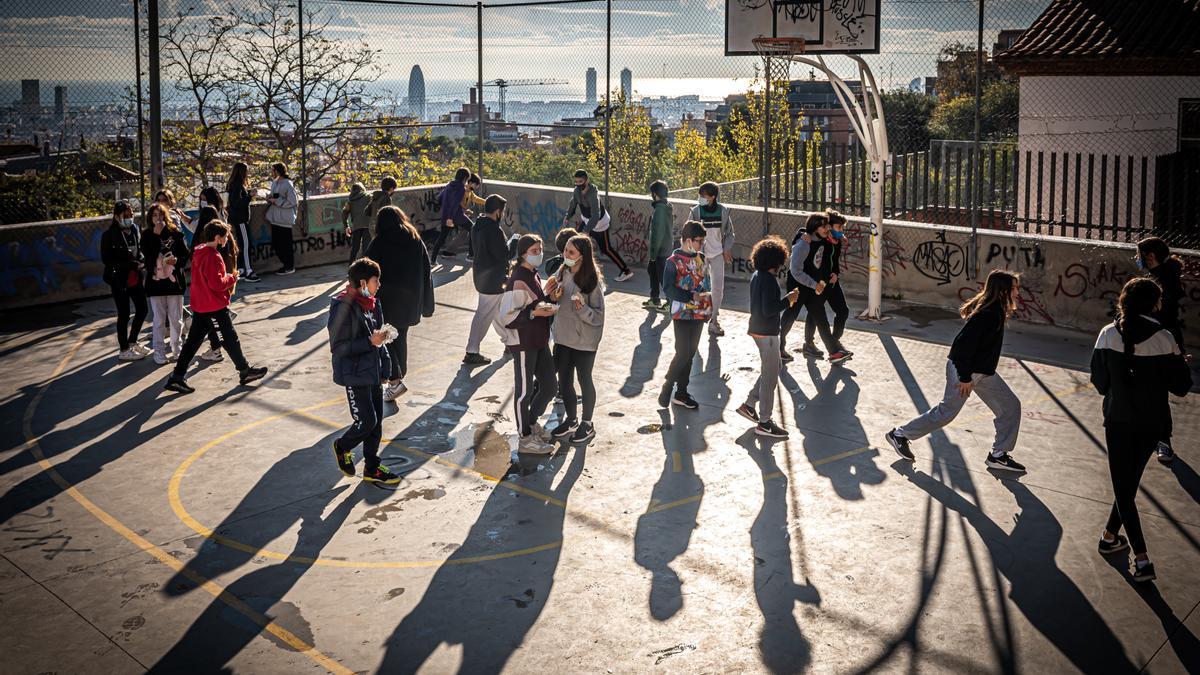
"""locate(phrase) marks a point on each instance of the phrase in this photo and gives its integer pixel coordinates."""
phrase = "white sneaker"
(173, 357)
(626, 276)
(129, 355)
(212, 355)
(393, 391)
(160, 359)
(532, 445)
(141, 349)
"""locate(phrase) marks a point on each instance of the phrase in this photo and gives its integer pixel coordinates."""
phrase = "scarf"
(367, 304)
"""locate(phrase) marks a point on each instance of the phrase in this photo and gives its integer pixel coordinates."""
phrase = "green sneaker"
(345, 460)
(381, 474)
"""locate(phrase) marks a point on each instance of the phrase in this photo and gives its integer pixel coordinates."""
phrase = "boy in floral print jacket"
(688, 286)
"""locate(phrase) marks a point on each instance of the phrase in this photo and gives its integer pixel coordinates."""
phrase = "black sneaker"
(664, 397)
(475, 360)
(178, 385)
(286, 271)
(746, 410)
(584, 433)
(345, 459)
(252, 373)
(900, 445)
(810, 349)
(381, 474)
(786, 357)
(1117, 545)
(470, 258)
(564, 428)
(447, 254)
(1143, 573)
(685, 399)
(769, 429)
(251, 277)
(1164, 452)
(1005, 462)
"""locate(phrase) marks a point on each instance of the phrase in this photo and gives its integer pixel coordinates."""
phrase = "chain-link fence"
(347, 91)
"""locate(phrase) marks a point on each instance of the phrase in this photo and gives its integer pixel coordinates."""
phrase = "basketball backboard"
(827, 26)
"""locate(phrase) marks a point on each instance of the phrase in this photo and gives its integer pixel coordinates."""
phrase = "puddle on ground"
(652, 428)
(481, 447)
(616, 414)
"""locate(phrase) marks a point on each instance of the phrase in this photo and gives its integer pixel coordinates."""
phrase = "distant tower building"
(416, 93)
(627, 83)
(31, 93)
(60, 102)
(591, 86)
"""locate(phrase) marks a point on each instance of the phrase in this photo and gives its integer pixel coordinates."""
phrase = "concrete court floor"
(141, 530)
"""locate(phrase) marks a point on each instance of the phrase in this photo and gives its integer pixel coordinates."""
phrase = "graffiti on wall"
(1014, 257)
(856, 254)
(1029, 303)
(542, 218)
(940, 260)
(48, 260)
(1099, 280)
(630, 230)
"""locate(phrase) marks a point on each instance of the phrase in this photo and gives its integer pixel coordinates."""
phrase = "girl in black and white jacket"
(1135, 364)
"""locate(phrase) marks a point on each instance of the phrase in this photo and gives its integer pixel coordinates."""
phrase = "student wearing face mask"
(182, 220)
(718, 246)
(124, 272)
(488, 272)
(686, 283)
(1155, 260)
(525, 312)
(596, 220)
(578, 326)
(281, 214)
(661, 219)
(361, 363)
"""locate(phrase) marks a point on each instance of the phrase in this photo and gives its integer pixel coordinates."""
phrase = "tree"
(630, 161)
(998, 108)
(956, 71)
(907, 114)
(265, 60)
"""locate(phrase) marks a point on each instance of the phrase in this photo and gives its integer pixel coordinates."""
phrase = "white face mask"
(569, 262)
(127, 222)
(203, 203)
(533, 259)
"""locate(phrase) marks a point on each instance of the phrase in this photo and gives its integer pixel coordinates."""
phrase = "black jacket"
(121, 252)
(239, 206)
(490, 269)
(976, 348)
(356, 362)
(167, 242)
(1135, 385)
(766, 304)
(1168, 275)
(406, 284)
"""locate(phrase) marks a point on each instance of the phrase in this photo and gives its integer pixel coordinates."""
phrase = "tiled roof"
(1130, 37)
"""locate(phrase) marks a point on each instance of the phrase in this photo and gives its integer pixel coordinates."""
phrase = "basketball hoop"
(778, 47)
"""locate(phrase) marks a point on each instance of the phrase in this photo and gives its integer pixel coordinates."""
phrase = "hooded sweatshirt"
(1134, 366)
(355, 214)
(211, 286)
(661, 236)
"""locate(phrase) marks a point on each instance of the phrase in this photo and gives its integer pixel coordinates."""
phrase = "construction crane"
(503, 86)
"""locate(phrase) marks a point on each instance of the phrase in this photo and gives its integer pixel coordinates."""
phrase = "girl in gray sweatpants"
(972, 368)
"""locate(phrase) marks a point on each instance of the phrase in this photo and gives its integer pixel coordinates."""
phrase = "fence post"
(156, 159)
(141, 141)
(607, 101)
(976, 165)
(765, 189)
(479, 58)
(303, 123)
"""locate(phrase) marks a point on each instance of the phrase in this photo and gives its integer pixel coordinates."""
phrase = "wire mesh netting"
(631, 90)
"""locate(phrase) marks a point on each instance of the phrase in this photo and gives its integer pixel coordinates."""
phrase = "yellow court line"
(676, 461)
(655, 508)
(213, 588)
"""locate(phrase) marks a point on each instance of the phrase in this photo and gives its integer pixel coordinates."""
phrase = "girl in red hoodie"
(211, 288)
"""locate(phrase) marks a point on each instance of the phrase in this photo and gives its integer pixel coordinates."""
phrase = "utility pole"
(141, 139)
(479, 82)
(976, 150)
(607, 101)
(157, 178)
(303, 124)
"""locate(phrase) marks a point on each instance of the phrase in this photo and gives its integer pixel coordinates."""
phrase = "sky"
(91, 40)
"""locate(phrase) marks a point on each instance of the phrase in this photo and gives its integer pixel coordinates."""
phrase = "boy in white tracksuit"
(718, 246)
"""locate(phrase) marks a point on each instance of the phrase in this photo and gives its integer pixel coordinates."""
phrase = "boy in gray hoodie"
(357, 220)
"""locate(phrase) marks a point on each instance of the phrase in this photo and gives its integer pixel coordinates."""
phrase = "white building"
(1107, 86)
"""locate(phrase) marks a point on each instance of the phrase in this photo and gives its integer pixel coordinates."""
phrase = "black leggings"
(535, 386)
(444, 234)
(605, 245)
(687, 343)
(122, 295)
(836, 299)
(241, 234)
(366, 407)
(398, 350)
(281, 241)
(569, 362)
(202, 323)
(655, 267)
(788, 318)
(1128, 452)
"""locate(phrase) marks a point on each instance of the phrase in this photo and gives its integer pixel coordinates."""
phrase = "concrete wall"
(1067, 282)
